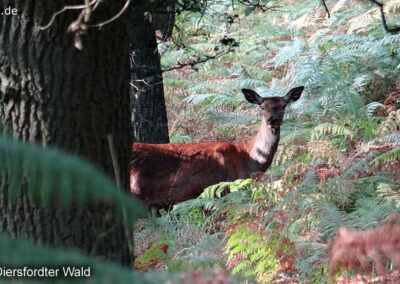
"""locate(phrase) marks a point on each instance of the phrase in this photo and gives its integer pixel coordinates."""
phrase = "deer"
(162, 175)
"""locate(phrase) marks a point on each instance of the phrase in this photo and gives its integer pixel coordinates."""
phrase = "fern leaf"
(50, 174)
(338, 6)
(387, 157)
(330, 128)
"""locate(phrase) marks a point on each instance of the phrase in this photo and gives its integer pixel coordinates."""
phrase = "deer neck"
(264, 145)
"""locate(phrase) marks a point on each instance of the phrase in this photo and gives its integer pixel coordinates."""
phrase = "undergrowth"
(337, 165)
(339, 158)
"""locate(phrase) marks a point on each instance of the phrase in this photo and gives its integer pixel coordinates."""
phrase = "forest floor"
(321, 212)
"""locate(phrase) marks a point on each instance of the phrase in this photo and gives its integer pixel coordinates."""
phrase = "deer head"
(273, 108)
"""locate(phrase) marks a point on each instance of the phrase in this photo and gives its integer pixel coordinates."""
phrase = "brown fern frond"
(353, 248)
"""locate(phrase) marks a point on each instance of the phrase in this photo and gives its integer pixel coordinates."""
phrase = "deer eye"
(262, 107)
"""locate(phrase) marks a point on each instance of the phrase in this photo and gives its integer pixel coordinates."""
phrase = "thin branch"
(100, 25)
(79, 26)
(66, 8)
(326, 8)
(88, 11)
(262, 6)
(389, 30)
(192, 64)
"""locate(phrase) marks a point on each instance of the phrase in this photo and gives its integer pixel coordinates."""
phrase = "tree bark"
(164, 20)
(149, 117)
(56, 95)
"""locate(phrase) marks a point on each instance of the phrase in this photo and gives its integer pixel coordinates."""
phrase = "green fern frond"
(360, 166)
(389, 40)
(249, 83)
(288, 53)
(387, 157)
(360, 82)
(333, 219)
(338, 6)
(218, 189)
(368, 210)
(257, 253)
(53, 176)
(393, 138)
(208, 202)
(389, 192)
(330, 129)
(231, 119)
(209, 85)
(310, 263)
(372, 107)
(200, 98)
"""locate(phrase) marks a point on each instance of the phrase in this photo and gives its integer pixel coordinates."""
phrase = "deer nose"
(273, 120)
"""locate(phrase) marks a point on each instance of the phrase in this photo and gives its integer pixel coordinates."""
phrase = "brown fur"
(165, 174)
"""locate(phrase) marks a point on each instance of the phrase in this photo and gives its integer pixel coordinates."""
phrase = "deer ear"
(252, 97)
(294, 94)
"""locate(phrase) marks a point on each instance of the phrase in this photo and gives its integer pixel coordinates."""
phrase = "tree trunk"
(56, 95)
(149, 117)
(164, 19)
